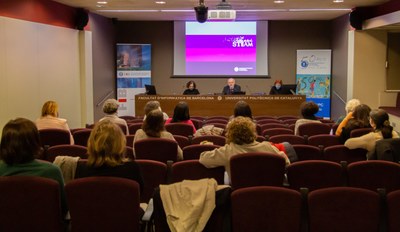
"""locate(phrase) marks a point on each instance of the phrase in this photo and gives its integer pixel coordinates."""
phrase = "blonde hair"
(351, 105)
(106, 145)
(50, 108)
(241, 130)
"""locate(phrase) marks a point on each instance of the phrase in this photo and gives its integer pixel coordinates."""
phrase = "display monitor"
(150, 89)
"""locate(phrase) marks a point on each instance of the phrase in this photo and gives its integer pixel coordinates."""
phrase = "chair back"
(315, 174)
(340, 209)
(66, 150)
(388, 149)
(182, 141)
(273, 125)
(129, 153)
(360, 132)
(226, 118)
(277, 131)
(159, 149)
(312, 128)
(52, 137)
(133, 127)
(286, 117)
(29, 203)
(103, 204)
(266, 208)
(154, 173)
(307, 152)
(197, 123)
(323, 140)
(216, 120)
(290, 121)
(81, 137)
(338, 153)
(193, 151)
(179, 129)
(127, 118)
(215, 139)
(129, 140)
(266, 121)
(393, 211)
(374, 174)
(194, 170)
(292, 139)
(257, 169)
(261, 117)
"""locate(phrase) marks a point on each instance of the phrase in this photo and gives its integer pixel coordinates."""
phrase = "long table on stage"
(212, 105)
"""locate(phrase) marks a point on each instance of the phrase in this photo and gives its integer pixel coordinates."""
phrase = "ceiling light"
(338, 1)
(161, 2)
(279, 1)
(102, 2)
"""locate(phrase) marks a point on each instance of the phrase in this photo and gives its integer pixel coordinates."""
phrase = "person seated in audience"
(277, 88)
(153, 127)
(231, 87)
(181, 115)
(49, 119)
(360, 119)
(110, 108)
(379, 121)
(153, 105)
(308, 111)
(191, 89)
(20, 144)
(242, 109)
(349, 108)
(106, 148)
(240, 138)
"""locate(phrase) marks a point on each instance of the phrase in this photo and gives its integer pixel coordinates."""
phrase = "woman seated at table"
(191, 89)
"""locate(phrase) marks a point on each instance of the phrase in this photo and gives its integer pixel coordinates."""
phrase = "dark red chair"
(311, 128)
(129, 140)
(286, 117)
(180, 129)
(323, 140)
(257, 169)
(129, 153)
(52, 137)
(290, 121)
(261, 117)
(290, 138)
(193, 151)
(307, 152)
(266, 121)
(30, 203)
(182, 141)
(81, 137)
(360, 132)
(343, 209)
(215, 139)
(315, 174)
(393, 211)
(218, 117)
(374, 174)
(219, 125)
(273, 125)
(133, 127)
(338, 153)
(159, 149)
(215, 120)
(103, 204)
(197, 123)
(277, 131)
(266, 208)
(127, 118)
(66, 150)
(154, 173)
(194, 170)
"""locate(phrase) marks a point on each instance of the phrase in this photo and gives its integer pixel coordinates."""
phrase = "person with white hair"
(231, 87)
(110, 108)
(350, 106)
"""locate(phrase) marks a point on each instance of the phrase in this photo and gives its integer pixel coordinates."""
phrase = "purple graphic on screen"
(231, 54)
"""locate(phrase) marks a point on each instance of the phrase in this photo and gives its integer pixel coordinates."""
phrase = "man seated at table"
(231, 88)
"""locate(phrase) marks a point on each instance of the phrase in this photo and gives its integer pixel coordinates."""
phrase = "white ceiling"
(246, 9)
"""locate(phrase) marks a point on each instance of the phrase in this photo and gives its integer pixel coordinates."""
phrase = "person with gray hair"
(153, 105)
(350, 106)
(110, 108)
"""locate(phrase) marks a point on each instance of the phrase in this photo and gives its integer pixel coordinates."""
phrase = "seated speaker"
(201, 12)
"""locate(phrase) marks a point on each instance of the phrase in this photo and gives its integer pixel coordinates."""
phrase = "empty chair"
(261, 117)
(182, 141)
(310, 129)
(393, 211)
(290, 138)
(193, 151)
(215, 139)
(307, 152)
(127, 118)
(218, 117)
(179, 129)
(374, 174)
(323, 140)
(273, 125)
(103, 204)
(197, 123)
(194, 170)
(257, 169)
(360, 132)
(129, 153)
(81, 136)
(154, 173)
(286, 117)
(290, 121)
(29, 203)
(201, 118)
(266, 208)
(159, 149)
(339, 153)
(265, 121)
(66, 150)
(343, 209)
(129, 140)
(52, 137)
(276, 131)
(315, 174)
(215, 120)
(133, 127)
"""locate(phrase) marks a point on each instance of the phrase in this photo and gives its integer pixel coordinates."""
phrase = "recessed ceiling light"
(102, 2)
(160, 2)
(279, 1)
(338, 1)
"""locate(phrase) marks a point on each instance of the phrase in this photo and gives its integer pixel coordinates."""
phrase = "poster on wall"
(133, 72)
(313, 78)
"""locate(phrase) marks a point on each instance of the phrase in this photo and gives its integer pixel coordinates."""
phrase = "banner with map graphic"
(133, 72)
(313, 78)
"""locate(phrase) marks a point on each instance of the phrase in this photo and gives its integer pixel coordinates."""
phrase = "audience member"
(49, 119)
(240, 138)
(191, 89)
(110, 108)
(308, 111)
(379, 121)
(106, 148)
(153, 127)
(231, 88)
(242, 109)
(20, 144)
(181, 115)
(153, 105)
(349, 108)
(360, 119)
(277, 88)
